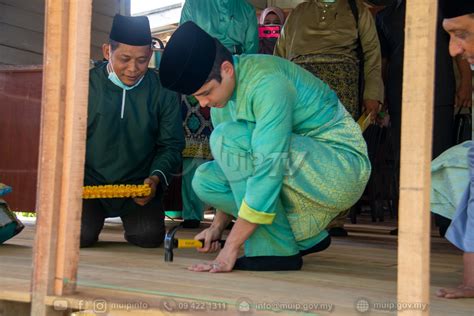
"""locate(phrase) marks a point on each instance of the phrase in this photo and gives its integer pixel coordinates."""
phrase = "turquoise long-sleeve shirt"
(276, 99)
(232, 22)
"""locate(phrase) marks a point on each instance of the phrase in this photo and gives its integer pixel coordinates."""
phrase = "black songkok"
(454, 8)
(131, 30)
(187, 59)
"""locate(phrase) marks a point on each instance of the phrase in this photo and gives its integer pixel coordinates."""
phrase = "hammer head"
(170, 243)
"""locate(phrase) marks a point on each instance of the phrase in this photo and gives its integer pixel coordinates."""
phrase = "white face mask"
(116, 80)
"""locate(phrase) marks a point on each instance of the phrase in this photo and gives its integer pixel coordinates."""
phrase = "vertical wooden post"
(415, 172)
(62, 148)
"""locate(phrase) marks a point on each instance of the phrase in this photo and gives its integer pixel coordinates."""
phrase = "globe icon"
(362, 305)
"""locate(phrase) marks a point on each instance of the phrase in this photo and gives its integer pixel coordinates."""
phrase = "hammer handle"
(222, 242)
(189, 243)
(192, 243)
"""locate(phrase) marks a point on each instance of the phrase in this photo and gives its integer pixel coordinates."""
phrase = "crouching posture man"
(288, 156)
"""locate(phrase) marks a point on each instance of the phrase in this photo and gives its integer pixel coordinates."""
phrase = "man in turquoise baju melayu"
(288, 156)
(234, 24)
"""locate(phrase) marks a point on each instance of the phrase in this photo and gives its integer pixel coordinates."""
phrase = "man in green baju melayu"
(288, 156)
(134, 135)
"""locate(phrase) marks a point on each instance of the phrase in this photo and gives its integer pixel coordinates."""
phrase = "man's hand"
(372, 107)
(224, 262)
(153, 183)
(226, 258)
(211, 238)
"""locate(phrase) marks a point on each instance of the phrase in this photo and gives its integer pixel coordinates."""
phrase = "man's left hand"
(224, 262)
(153, 183)
(373, 107)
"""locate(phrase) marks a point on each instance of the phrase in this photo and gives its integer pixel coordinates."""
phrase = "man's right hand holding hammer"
(214, 232)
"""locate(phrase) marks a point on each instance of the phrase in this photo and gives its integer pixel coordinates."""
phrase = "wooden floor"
(353, 272)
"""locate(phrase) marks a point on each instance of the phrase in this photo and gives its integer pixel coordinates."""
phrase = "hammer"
(172, 243)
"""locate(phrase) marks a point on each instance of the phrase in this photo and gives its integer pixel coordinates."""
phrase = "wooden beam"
(415, 171)
(9, 308)
(62, 149)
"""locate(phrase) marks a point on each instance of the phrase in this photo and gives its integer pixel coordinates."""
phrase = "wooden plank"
(101, 22)
(351, 269)
(32, 41)
(33, 68)
(22, 39)
(99, 38)
(36, 6)
(14, 56)
(22, 295)
(106, 7)
(62, 149)
(8, 308)
(22, 24)
(33, 21)
(76, 98)
(415, 176)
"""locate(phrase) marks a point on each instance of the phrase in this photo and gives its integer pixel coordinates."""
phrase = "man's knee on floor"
(88, 238)
(151, 238)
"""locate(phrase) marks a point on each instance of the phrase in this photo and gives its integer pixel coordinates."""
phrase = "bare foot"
(461, 291)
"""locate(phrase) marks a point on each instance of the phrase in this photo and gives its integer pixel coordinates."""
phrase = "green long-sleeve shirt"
(232, 22)
(315, 27)
(132, 134)
(277, 100)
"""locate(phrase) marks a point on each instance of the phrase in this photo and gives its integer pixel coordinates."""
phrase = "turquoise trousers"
(222, 184)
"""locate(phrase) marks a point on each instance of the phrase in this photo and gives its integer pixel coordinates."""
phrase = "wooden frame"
(62, 149)
(415, 167)
(65, 90)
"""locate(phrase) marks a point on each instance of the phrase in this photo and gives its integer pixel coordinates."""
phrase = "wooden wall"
(22, 28)
(20, 111)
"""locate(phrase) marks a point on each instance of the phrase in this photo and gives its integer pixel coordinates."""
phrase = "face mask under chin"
(116, 80)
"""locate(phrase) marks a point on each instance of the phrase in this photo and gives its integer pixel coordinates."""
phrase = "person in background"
(270, 23)
(331, 40)
(234, 24)
(391, 24)
(10, 225)
(134, 135)
(459, 24)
